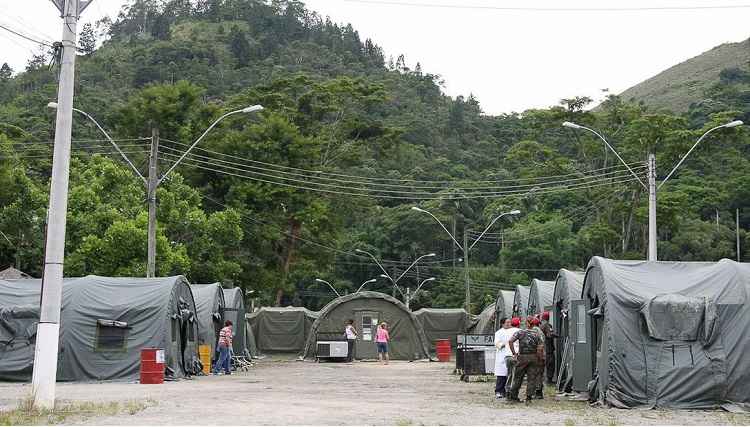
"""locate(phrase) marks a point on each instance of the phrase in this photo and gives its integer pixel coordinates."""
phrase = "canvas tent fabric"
(234, 310)
(568, 287)
(408, 340)
(503, 306)
(444, 323)
(209, 306)
(250, 340)
(486, 321)
(104, 324)
(521, 301)
(540, 296)
(669, 334)
(282, 329)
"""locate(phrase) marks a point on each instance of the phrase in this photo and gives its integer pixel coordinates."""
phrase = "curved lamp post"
(651, 187)
(465, 248)
(330, 286)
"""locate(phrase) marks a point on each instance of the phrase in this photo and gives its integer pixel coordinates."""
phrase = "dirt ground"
(280, 392)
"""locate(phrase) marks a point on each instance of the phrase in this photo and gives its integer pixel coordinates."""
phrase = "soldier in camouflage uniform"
(529, 360)
(537, 327)
(549, 347)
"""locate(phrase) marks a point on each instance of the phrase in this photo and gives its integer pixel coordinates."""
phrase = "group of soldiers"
(523, 353)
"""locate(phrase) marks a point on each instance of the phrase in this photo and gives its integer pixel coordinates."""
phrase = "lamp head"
(431, 254)
(414, 208)
(320, 281)
(734, 124)
(430, 279)
(52, 105)
(371, 280)
(384, 276)
(252, 109)
(571, 125)
(514, 212)
(360, 251)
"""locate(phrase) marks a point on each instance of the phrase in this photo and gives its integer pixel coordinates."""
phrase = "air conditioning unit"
(332, 349)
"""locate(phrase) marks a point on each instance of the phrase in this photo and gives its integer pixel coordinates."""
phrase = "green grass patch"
(26, 414)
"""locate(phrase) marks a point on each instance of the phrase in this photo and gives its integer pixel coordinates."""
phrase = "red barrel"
(443, 350)
(152, 366)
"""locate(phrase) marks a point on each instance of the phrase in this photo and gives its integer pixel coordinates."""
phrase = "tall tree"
(239, 46)
(87, 39)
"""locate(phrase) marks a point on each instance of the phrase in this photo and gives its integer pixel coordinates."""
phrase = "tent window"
(111, 335)
(369, 326)
(581, 324)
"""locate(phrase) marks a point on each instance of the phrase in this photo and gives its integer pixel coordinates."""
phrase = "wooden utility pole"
(153, 182)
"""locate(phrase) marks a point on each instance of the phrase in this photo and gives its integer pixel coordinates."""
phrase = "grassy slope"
(679, 86)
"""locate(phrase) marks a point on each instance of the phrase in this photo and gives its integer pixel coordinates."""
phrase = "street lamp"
(652, 188)
(153, 180)
(465, 248)
(413, 295)
(365, 283)
(330, 286)
(387, 276)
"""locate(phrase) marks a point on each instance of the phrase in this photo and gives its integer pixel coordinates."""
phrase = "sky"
(511, 60)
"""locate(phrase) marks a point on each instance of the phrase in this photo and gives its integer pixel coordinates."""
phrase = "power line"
(405, 195)
(25, 36)
(546, 9)
(378, 179)
(345, 184)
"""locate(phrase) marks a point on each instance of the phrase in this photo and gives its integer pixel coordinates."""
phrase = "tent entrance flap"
(580, 332)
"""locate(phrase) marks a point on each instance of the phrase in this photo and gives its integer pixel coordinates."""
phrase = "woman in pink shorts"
(381, 340)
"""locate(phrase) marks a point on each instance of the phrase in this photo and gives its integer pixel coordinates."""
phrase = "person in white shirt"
(502, 367)
(351, 338)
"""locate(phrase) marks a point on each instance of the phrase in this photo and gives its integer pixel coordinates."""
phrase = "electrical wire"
(312, 181)
(400, 180)
(457, 185)
(547, 9)
(10, 30)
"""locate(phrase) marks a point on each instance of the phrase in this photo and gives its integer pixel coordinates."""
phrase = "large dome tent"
(540, 296)
(234, 310)
(568, 287)
(520, 302)
(486, 321)
(282, 329)
(444, 323)
(105, 322)
(503, 306)
(209, 305)
(368, 309)
(667, 334)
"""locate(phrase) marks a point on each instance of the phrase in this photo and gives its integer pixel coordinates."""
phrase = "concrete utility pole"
(44, 374)
(652, 248)
(153, 182)
(465, 251)
(738, 234)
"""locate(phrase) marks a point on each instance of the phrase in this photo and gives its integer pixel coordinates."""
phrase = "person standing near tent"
(501, 367)
(351, 339)
(510, 362)
(225, 344)
(381, 340)
(528, 360)
(549, 347)
(537, 328)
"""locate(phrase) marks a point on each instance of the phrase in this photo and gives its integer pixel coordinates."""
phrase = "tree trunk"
(295, 227)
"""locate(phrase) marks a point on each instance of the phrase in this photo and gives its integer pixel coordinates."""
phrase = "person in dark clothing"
(549, 347)
(529, 360)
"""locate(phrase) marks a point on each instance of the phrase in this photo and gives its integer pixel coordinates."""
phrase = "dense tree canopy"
(348, 142)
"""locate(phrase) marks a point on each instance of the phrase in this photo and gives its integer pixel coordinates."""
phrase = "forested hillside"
(348, 142)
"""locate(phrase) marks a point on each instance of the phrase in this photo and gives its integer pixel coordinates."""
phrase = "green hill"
(676, 88)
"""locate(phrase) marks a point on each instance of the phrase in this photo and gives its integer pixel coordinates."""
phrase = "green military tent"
(444, 323)
(521, 302)
(368, 309)
(503, 306)
(235, 311)
(282, 329)
(568, 286)
(104, 324)
(485, 321)
(250, 341)
(209, 306)
(540, 296)
(667, 334)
